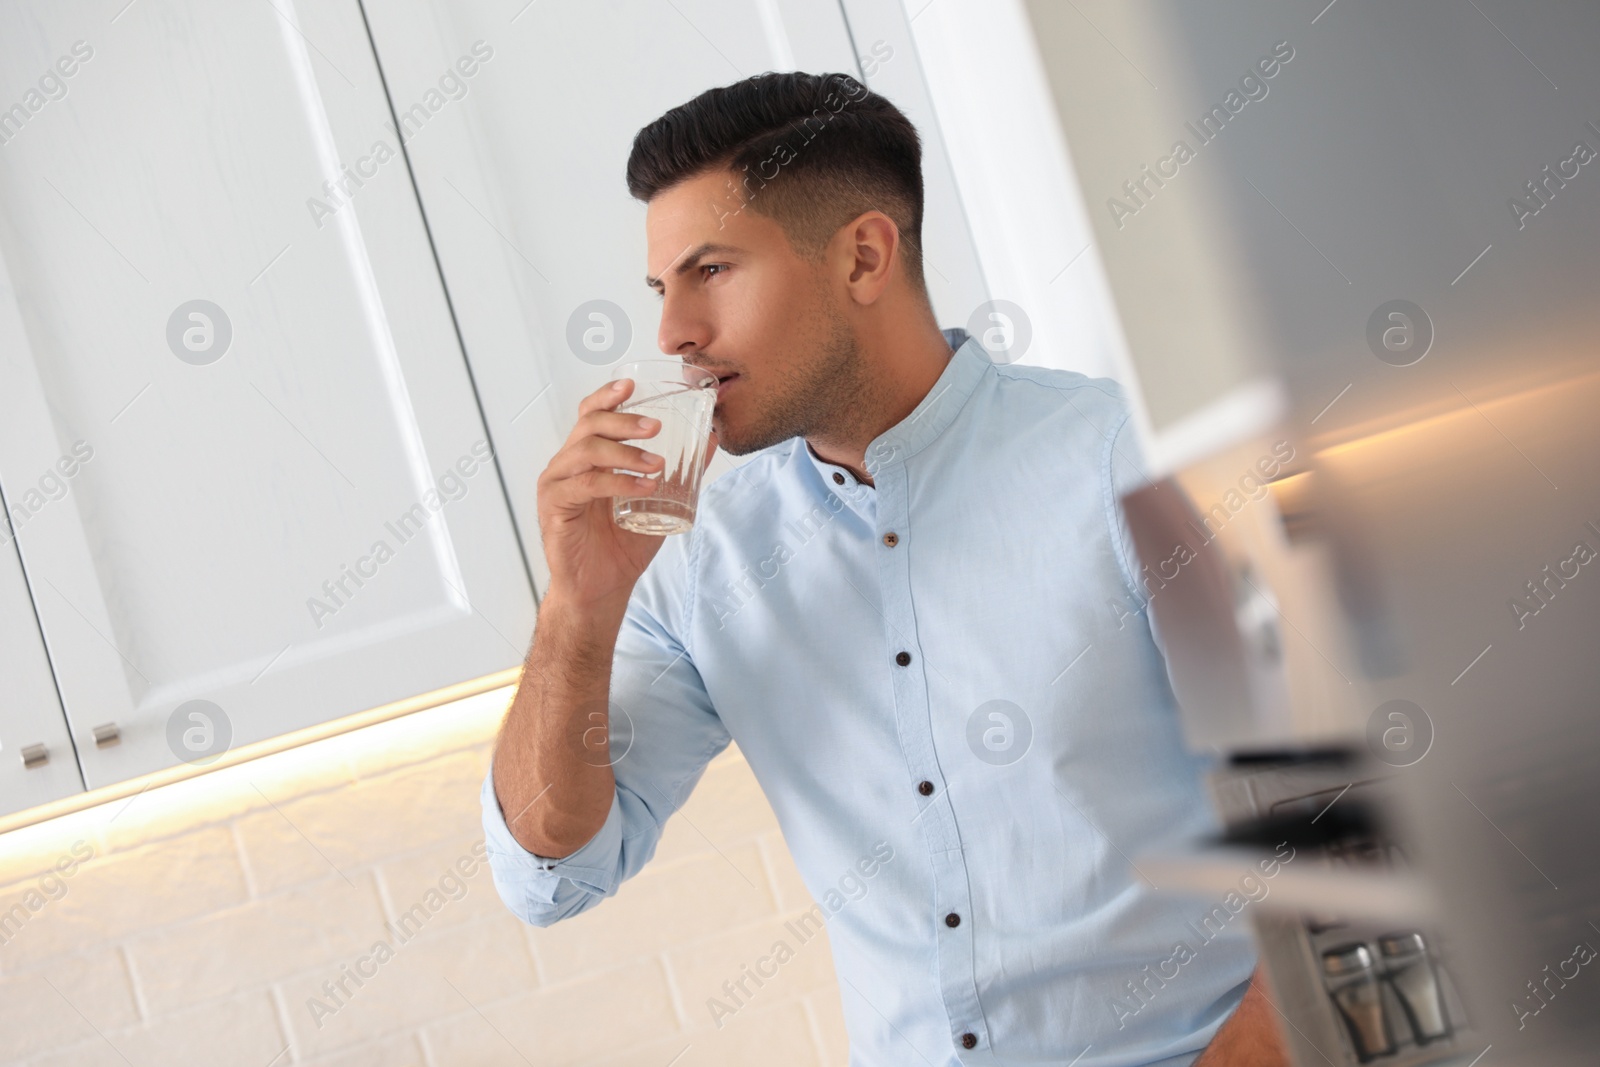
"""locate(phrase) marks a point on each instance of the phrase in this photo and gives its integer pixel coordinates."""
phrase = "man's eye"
(715, 266)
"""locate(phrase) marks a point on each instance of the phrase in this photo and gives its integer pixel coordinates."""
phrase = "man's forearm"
(552, 773)
(1250, 1037)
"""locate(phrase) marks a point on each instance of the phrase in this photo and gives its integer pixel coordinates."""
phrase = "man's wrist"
(581, 617)
(577, 635)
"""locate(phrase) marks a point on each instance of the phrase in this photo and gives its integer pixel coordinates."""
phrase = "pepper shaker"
(1352, 982)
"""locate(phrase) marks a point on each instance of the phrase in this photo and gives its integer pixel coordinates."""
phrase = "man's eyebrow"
(693, 259)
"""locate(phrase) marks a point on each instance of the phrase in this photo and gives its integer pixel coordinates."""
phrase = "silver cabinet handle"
(107, 734)
(35, 756)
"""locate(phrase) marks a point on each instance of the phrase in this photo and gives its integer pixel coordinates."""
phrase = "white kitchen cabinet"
(291, 510)
(223, 281)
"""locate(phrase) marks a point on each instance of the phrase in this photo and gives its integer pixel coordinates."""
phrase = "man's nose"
(683, 330)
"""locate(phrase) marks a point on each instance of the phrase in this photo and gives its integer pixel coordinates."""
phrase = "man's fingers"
(599, 452)
(615, 425)
(607, 396)
(603, 401)
(578, 491)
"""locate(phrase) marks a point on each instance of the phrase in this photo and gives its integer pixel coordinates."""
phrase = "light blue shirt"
(948, 689)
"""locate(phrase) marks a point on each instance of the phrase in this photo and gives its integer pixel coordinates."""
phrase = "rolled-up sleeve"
(663, 731)
(541, 890)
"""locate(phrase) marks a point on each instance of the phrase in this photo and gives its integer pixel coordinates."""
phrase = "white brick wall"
(211, 911)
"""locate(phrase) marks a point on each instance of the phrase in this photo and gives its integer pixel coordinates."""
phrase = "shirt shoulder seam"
(1019, 372)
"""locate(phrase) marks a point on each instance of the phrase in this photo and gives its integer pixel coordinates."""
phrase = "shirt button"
(925, 788)
(890, 539)
(902, 658)
(952, 919)
(838, 479)
(969, 1040)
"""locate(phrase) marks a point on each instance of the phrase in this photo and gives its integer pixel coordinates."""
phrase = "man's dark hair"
(809, 151)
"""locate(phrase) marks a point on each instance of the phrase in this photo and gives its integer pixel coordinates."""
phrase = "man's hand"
(593, 562)
(1251, 1036)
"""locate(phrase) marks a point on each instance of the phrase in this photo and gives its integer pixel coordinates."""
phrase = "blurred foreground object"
(1355, 251)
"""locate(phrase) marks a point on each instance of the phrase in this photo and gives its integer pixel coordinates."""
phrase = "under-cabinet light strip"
(244, 753)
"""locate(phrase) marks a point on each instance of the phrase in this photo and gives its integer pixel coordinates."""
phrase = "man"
(914, 608)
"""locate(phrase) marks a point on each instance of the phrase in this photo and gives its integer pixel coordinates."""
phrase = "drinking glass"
(681, 398)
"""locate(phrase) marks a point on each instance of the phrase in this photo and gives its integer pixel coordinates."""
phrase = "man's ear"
(874, 244)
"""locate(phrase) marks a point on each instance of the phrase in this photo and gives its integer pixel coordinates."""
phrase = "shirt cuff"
(531, 884)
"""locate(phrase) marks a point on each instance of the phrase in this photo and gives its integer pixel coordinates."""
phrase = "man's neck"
(904, 373)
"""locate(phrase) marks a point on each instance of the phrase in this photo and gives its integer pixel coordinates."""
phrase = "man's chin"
(739, 441)
(733, 445)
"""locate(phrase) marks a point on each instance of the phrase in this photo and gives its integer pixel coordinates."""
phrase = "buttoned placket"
(884, 507)
(934, 819)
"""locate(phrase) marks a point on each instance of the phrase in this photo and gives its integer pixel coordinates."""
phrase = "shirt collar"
(936, 411)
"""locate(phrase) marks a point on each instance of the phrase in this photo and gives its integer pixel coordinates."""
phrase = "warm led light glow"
(322, 756)
(1422, 423)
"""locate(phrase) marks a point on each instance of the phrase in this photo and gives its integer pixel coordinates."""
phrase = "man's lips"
(724, 379)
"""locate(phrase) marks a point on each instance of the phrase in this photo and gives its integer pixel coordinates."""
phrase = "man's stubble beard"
(832, 393)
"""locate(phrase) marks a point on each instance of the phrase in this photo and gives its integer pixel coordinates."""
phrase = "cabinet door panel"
(292, 510)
